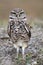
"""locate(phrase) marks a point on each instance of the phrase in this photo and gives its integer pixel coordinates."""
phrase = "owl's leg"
(23, 54)
(17, 52)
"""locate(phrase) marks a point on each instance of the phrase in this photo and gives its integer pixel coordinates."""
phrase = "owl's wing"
(27, 28)
(9, 29)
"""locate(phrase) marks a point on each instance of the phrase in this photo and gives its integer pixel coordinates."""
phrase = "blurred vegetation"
(33, 8)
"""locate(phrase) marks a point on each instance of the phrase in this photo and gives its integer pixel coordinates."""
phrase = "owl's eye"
(13, 13)
(22, 13)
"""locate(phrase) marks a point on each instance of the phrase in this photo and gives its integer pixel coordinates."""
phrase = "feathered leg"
(23, 52)
(17, 52)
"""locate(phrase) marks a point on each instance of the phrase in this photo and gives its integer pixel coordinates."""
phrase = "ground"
(34, 52)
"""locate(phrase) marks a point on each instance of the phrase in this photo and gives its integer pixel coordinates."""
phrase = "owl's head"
(17, 15)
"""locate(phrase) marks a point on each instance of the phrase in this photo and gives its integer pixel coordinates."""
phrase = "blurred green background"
(33, 8)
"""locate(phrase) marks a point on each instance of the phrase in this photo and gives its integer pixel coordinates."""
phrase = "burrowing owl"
(18, 30)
